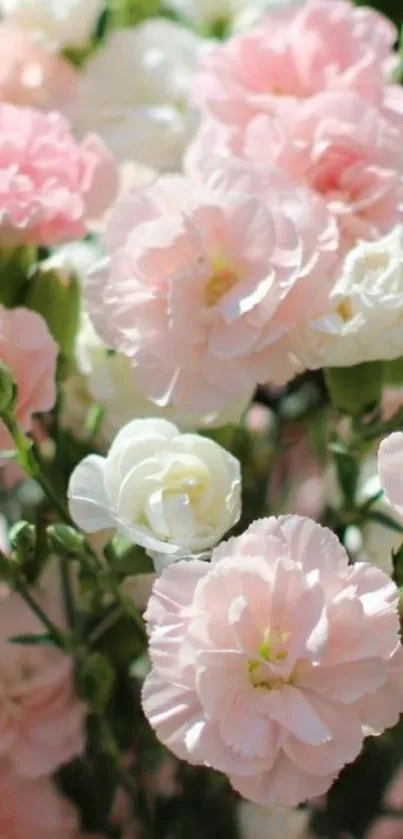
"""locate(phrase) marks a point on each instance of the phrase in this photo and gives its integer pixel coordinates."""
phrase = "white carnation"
(169, 492)
(369, 301)
(135, 93)
(56, 23)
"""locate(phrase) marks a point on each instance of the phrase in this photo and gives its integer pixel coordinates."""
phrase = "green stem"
(371, 432)
(106, 624)
(30, 462)
(53, 631)
(67, 593)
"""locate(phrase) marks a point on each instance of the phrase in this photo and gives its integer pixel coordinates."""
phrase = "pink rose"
(293, 54)
(32, 76)
(50, 185)
(272, 663)
(30, 352)
(204, 283)
(41, 718)
(33, 809)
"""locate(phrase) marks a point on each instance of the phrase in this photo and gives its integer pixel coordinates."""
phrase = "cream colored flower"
(135, 93)
(369, 301)
(170, 493)
(56, 23)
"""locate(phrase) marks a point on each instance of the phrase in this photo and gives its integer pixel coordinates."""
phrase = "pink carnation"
(205, 282)
(273, 662)
(30, 352)
(32, 76)
(33, 809)
(50, 185)
(41, 718)
(293, 54)
(358, 173)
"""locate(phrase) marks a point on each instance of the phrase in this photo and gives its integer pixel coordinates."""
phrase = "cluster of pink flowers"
(292, 91)
(221, 279)
(274, 661)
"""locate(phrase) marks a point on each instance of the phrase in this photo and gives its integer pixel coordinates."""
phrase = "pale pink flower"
(204, 282)
(33, 809)
(390, 466)
(28, 349)
(50, 185)
(358, 173)
(293, 54)
(41, 718)
(32, 76)
(272, 663)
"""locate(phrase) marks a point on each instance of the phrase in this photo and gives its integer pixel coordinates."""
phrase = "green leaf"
(387, 521)
(347, 473)
(370, 501)
(32, 640)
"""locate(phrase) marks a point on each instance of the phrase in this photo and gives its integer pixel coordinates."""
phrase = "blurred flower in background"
(135, 93)
(54, 23)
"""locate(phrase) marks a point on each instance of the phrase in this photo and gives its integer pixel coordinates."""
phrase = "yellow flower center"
(182, 482)
(345, 310)
(219, 284)
(272, 650)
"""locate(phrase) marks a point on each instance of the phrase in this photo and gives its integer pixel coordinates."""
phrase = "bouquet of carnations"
(201, 420)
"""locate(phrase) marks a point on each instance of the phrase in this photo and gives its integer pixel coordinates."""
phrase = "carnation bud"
(55, 294)
(355, 390)
(66, 539)
(23, 538)
(8, 389)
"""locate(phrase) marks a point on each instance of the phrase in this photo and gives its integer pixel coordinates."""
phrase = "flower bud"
(66, 539)
(55, 294)
(355, 390)
(22, 538)
(8, 389)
